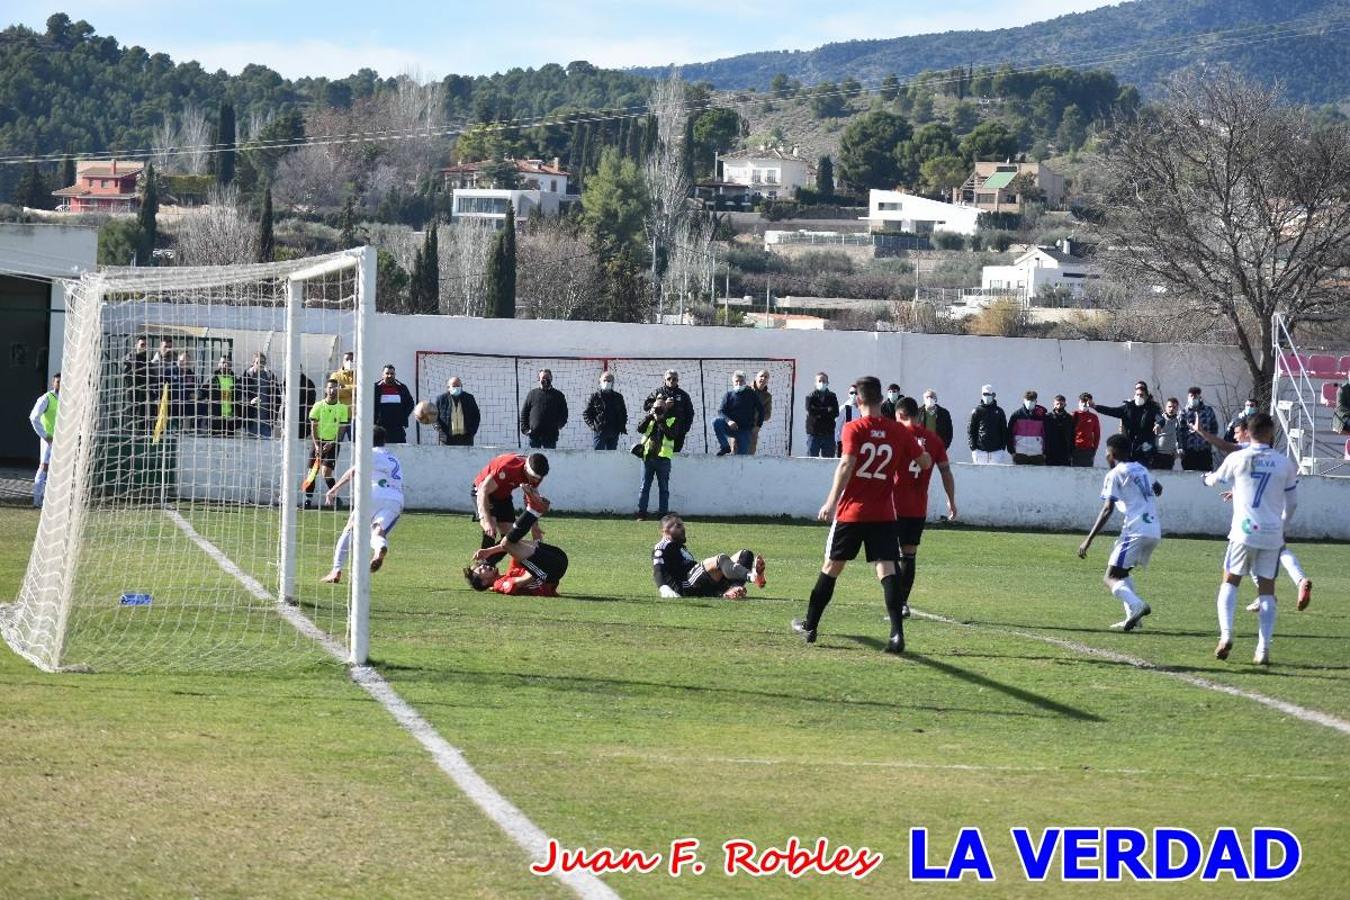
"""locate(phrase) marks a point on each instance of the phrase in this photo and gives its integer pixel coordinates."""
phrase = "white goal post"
(175, 532)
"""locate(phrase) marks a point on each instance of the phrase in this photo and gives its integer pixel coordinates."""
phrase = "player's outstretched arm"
(1214, 441)
(1097, 526)
(338, 485)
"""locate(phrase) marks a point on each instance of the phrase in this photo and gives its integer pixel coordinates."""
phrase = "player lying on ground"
(861, 509)
(536, 567)
(1265, 496)
(386, 500)
(492, 489)
(678, 573)
(1288, 561)
(1129, 488)
(911, 496)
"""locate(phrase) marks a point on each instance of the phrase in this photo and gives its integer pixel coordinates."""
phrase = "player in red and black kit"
(492, 488)
(536, 567)
(911, 495)
(861, 504)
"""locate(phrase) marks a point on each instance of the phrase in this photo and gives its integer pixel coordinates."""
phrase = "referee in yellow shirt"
(328, 421)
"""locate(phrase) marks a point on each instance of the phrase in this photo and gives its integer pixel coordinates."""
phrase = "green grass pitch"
(614, 718)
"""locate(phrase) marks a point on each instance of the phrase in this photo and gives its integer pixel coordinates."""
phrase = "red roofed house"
(476, 194)
(531, 175)
(103, 185)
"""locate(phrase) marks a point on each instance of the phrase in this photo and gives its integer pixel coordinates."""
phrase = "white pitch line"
(1302, 713)
(517, 826)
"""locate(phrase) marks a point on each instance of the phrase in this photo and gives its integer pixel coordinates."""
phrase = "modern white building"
(490, 204)
(1037, 270)
(770, 172)
(898, 211)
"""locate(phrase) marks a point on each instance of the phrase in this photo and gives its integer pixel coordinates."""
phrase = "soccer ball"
(425, 412)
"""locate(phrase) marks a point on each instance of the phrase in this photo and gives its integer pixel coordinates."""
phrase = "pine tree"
(225, 141)
(266, 243)
(825, 178)
(32, 190)
(500, 281)
(146, 219)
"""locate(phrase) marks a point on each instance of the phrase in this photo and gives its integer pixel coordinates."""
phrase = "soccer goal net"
(173, 534)
(500, 383)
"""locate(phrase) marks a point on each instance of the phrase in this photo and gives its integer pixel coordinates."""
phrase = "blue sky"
(436, 38)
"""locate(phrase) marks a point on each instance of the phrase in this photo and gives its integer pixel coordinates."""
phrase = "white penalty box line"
(1302, 713)
(504, 814)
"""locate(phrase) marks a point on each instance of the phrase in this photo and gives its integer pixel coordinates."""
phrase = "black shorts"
(502, 509)
(700, 583)
(846, 538)
(325, 454)
(548, 564)
(909, 530)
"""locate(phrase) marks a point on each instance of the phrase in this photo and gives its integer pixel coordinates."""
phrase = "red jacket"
(1087, 430)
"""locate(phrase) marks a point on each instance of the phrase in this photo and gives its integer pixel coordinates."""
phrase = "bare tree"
(691, 261)
(194, 134)
(221, 233)
(464, 246)
(163, 145)
(1224, 201)
(557, 274)
(666, 176)
(313, 177)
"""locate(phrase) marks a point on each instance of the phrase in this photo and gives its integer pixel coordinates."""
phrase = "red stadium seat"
(1292, 363)
(1329, 393)
(1344, 367)
(1322, 366)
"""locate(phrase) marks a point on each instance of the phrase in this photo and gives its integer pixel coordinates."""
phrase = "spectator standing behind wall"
(606, 414)
(682, 407)
(309, 395)
(346, 379)
(1169, 429)
(1087, 432)
(221, 395)
(393, 405)
(544, 414)
(893, 395)
(761, 389)
(1137, 418)
(182, 381)
(936, 418)
(1026, 432)
(260, 397)
(850, 412)
(1058, 434)
(988, 430)
(740, 412)
(1248, 410)
(1196, 454)
(457, 415)
(1340, 419)
(136, 387)
(822, 411)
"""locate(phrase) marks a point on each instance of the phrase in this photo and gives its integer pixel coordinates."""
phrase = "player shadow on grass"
(1017, 693)
(591, 685)
(1150, 630)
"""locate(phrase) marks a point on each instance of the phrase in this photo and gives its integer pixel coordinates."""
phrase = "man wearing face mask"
(1137, 418)
(893, 395)
(988, 431)
(681, 405)
(761, 388)
(1168, 429)
(1196, 455)
(1087, 432)
(822, 409)
(936, 418)
(1058, 434)
(457, 415)
(346, 379)
(850, 412)
(606, 415)
(740, 412)
(544, 413)
(1248, 410)
(1026, 432)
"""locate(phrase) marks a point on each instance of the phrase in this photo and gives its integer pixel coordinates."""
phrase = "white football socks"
(1290, 563)
(344, 544)
(1228, 594)
(1124, 592)
(1265, 618)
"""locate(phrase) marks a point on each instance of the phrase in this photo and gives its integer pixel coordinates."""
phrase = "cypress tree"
(347, 225)
(500, 281)
(32, 190)
(431, 300)
(825, 178)
(266, 244)
(634, 149)
(68, 172)
(146, 220)
(416, 283)
(225, 143)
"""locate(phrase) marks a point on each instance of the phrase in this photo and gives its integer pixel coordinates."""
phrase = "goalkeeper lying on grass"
(678, 573)
(536, 567)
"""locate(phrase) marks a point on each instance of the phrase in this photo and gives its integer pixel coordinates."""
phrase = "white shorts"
(1132, 551)
(1262, 562)
(386, 514)
(44, 452)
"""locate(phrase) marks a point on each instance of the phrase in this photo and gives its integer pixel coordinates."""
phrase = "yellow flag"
(162, 420)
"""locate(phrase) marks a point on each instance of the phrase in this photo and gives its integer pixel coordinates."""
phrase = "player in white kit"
(1129, 488)
(386, 496)
(1265, 495)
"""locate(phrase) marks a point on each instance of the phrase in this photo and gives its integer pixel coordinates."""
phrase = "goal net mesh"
(160, 543)
(500, 384)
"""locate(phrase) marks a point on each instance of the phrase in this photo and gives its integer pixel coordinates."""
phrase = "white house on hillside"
(770, 172)
(490, 203)
(1038, 269)
(898, 211)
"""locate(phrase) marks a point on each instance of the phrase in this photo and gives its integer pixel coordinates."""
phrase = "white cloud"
(314, 58)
